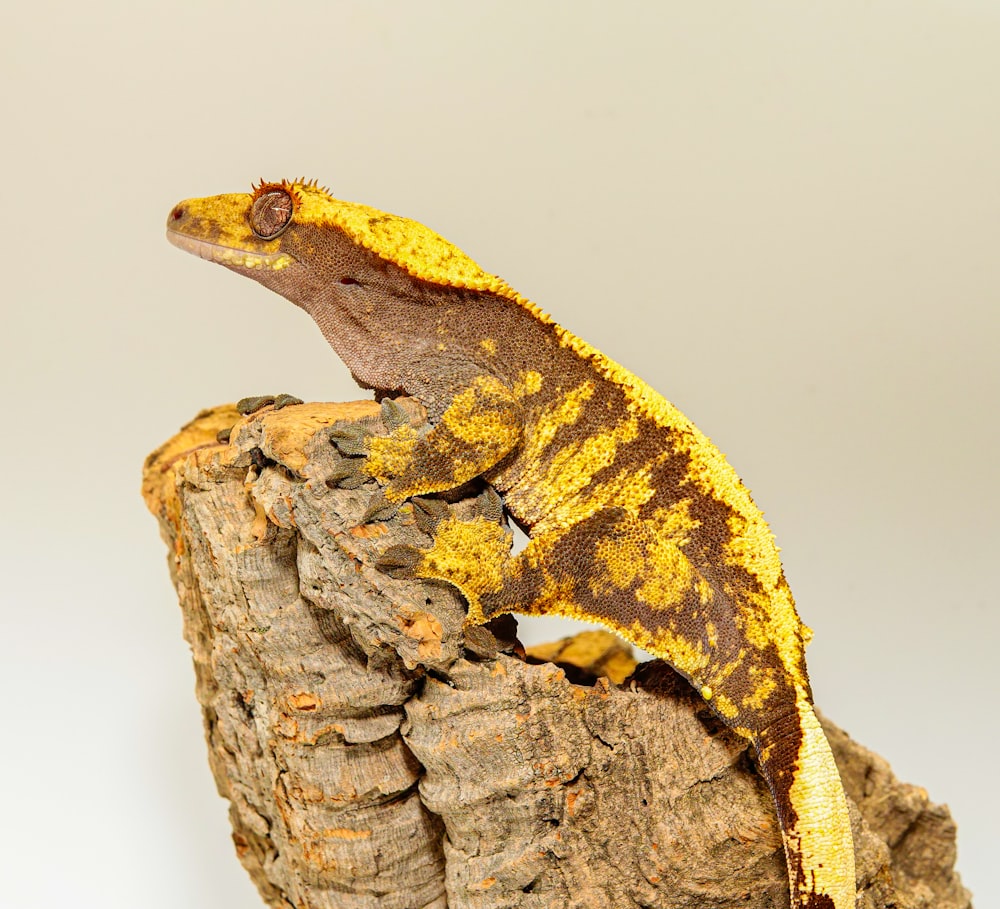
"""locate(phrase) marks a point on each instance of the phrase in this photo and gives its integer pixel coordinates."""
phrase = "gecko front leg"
(478, 428)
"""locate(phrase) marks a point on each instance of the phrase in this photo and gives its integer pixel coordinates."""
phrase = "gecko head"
(296, 239)
(374, 283)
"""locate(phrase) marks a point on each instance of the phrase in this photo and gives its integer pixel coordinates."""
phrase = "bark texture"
(374, 754)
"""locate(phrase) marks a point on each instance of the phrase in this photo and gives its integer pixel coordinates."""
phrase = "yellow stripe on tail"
(815, 824)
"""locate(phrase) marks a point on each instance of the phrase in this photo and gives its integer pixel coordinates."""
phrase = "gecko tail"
(798, 765)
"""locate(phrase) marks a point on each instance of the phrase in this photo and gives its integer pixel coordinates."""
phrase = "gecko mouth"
(228, 255)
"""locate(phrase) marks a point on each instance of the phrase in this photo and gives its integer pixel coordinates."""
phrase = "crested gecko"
(635, 519)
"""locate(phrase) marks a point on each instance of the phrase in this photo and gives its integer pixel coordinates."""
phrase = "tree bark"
(375, 754)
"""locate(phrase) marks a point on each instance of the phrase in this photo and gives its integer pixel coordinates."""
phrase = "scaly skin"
(636, 521)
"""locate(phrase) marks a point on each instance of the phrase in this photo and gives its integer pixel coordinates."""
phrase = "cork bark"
(376, 754)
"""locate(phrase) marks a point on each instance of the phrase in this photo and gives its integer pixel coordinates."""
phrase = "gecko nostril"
(177, 213)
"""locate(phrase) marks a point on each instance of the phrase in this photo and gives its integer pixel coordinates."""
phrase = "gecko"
(635, 520)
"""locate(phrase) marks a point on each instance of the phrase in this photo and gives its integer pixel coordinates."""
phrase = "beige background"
(784, 216)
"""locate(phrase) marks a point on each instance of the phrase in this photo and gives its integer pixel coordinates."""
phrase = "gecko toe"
(393, 416)
(379, 509)
(429, 512)
(490, 505)
(252, 404)
(351, 439)
(286, 401)
(345, 474)
(399, 561)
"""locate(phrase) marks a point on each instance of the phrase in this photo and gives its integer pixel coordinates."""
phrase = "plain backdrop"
(783, 215)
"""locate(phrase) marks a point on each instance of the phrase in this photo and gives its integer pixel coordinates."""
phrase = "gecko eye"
(271, 214)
